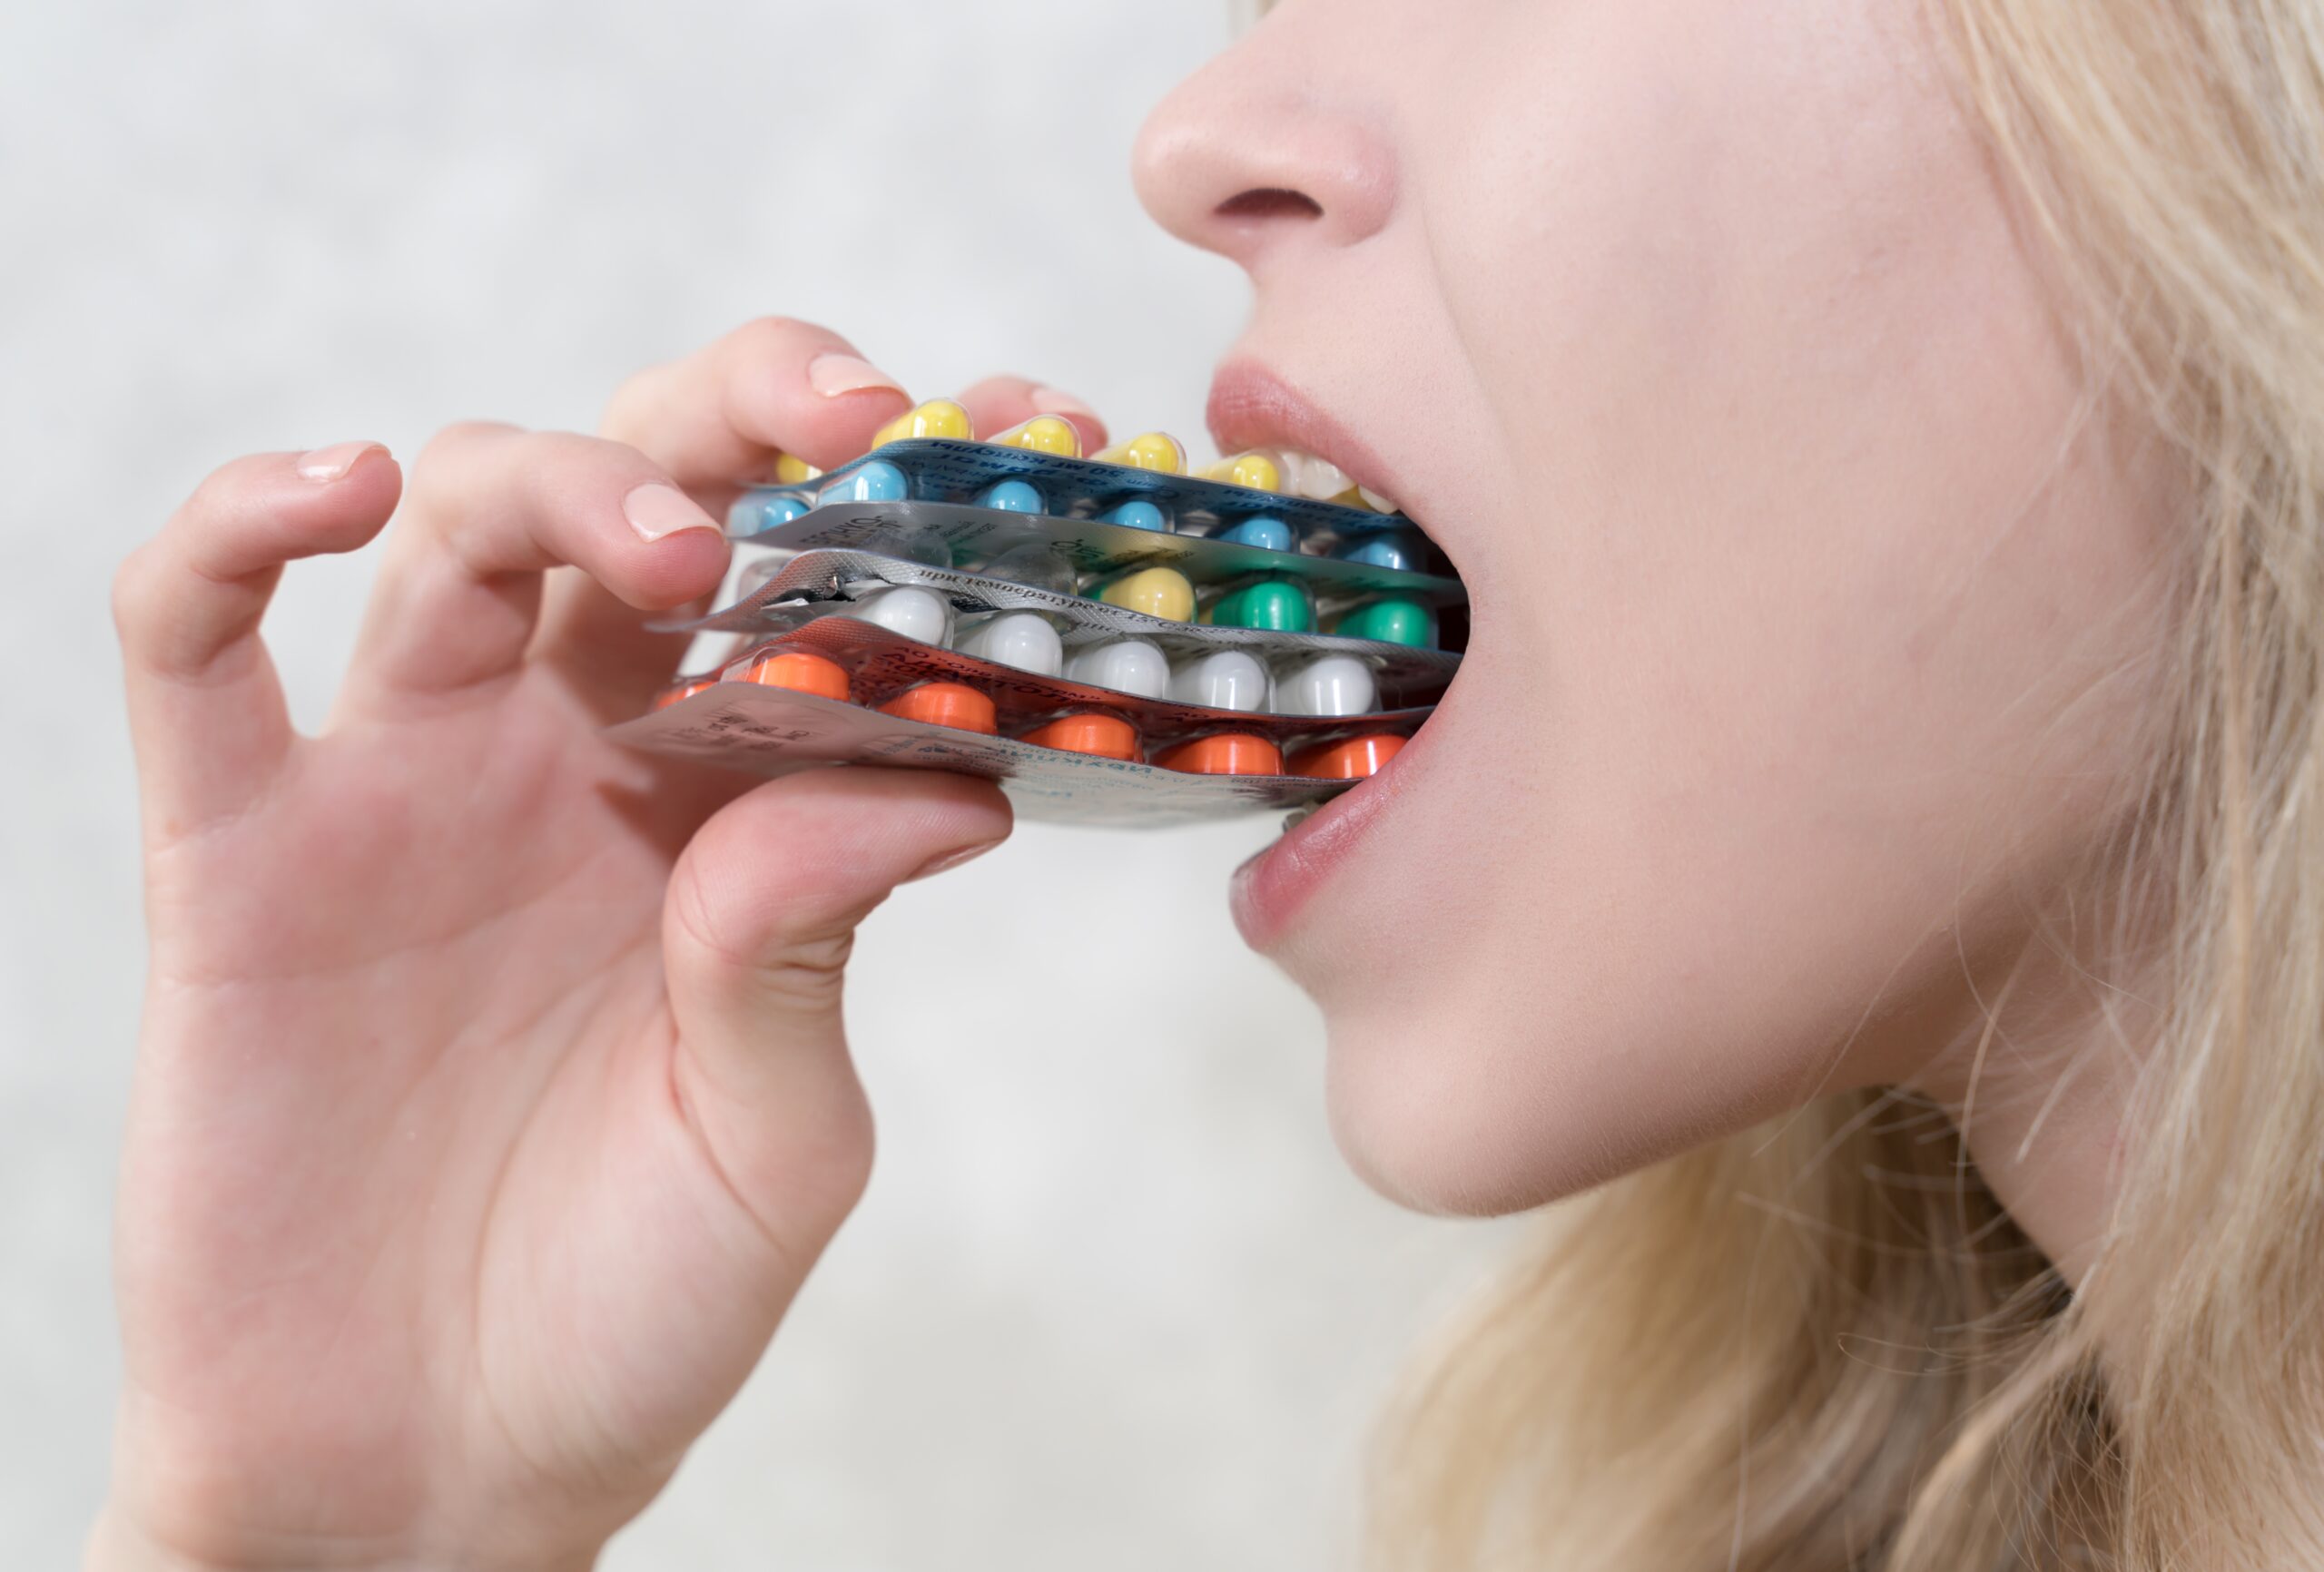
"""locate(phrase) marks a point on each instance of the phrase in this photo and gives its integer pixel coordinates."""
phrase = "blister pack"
(1116, 641)
(1143, 484)
(953, 606)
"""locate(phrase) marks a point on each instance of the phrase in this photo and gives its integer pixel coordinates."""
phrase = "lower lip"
(1271, 888)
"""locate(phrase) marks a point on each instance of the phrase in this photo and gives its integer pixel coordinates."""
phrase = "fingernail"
(654, 510)
(832, 374)
(953, 859)
(325, 464)
(1050, 401)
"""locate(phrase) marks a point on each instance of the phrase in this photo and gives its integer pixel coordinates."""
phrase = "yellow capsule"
(1156, 450)
(790, 470)
(1158, 592)
(937, 418)
(1043, 433)
(1256, 470)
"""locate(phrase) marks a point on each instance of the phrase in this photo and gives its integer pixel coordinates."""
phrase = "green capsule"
(1275, 604)
(1392, 620)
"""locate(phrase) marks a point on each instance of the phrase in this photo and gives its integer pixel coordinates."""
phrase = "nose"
(1255, 155)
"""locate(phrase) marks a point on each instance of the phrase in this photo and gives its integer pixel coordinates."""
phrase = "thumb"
(756, 929)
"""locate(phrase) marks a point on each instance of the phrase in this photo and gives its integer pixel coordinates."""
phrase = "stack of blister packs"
(1113, 639)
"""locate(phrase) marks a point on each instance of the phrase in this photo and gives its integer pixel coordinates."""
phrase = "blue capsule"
(1261, 530)
(1012, 496)
(875, 481)
(1389, 549)
(1136, 514)
(756, 512)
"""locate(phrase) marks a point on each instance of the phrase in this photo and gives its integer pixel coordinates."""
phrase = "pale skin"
(492, 1103)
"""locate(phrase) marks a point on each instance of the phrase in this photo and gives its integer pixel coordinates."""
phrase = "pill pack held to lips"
(1115, 639)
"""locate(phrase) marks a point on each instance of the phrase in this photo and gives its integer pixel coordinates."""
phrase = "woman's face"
(1807, 615)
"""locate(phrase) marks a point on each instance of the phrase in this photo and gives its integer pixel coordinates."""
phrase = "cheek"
(1817, 647)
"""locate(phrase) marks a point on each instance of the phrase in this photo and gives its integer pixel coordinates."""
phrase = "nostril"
(1270, 202)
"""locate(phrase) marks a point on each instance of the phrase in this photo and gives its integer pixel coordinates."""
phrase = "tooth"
(1321, 478)
(1287, 464)
(1378, 503)
(1305, 475)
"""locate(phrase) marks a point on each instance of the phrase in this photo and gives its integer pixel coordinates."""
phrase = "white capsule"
(1305, 475)
(1228, 680)
(1024, 640)
(907, 609)
(1124, 665)
(1326, 685)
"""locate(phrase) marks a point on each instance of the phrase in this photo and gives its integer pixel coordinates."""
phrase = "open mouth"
(1252, 407)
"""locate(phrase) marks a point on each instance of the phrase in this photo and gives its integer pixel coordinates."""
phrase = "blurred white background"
(1112, 1300)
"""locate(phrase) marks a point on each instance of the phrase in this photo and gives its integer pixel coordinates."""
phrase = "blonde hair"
(1826, 1345)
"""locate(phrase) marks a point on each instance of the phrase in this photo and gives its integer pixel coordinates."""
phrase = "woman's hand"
(492, 1102)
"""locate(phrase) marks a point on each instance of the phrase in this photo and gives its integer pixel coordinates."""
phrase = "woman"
(1877, 827)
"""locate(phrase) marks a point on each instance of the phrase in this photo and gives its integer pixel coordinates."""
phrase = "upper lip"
(1251, 406)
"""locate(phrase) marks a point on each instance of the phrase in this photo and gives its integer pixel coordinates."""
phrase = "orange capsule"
(953, 704)
(802, 672)
(1225, 753)
(683, 692)
(1353, 759)
(1107, 736)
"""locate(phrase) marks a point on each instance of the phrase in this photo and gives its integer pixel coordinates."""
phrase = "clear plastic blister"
(1097, 548)
(772, 732)
(793, 590)
(1003, 476)
(881, 663)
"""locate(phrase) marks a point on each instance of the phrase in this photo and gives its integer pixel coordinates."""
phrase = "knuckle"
(132, 594)
(807, 975)
(794, 952)
(450, 439)
(572, 449)
(771, 335)
(442, 452)
(629, 411)
(830, 1168)
(219, 492)
(568, 470)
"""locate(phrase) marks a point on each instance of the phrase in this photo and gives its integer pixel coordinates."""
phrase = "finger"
(717, 420)
(718, 417)
(761, 914)
(205, 708)
(491, 509)
(997, 403)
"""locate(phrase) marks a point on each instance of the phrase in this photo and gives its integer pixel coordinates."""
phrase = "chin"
(1423, 1112)
(1461, 1096)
